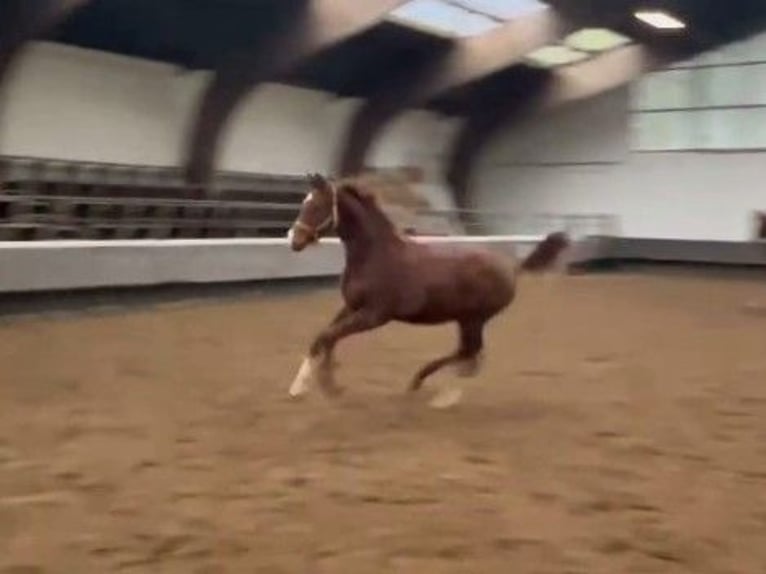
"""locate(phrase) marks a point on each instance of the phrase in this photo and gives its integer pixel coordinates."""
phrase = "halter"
(331, 220)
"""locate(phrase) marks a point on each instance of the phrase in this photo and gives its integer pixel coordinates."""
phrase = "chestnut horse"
(390, 277)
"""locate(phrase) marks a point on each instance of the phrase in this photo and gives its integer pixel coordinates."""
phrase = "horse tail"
(545, 253)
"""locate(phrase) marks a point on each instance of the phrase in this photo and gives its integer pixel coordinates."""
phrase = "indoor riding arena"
(198, 200)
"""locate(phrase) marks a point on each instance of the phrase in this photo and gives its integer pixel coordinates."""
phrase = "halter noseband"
(331, 220)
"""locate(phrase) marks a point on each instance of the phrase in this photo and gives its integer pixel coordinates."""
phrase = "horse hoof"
(298, 390)
(300, 385)
(446, 399)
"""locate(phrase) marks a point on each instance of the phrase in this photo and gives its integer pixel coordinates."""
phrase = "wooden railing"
(53, 199)
(41, 199)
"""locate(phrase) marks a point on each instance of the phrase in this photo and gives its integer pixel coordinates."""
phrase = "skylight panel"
(444, 17)
(554, 56)
(503, 9)
(595, 40)
(463, 18)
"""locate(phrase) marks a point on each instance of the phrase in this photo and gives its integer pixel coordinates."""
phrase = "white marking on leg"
(446, 398)
(300, 384)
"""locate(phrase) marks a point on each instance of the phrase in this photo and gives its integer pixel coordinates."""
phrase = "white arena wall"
(71, 103)
(75, 104)
(36, 266)
(679, 155)
(668, 195)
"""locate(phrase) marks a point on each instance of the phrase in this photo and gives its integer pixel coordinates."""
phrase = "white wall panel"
(278, 129)
(665, 131)
(76, 104)
(559, 140)
(724, 95)
(660, 195)
(736, 86)
(743, 128)
(71, 103)
(668, 89)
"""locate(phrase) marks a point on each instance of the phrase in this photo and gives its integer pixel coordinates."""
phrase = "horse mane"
(367, 197)
(363, 193)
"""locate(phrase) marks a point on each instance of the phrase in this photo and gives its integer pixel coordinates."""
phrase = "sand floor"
(619, 426)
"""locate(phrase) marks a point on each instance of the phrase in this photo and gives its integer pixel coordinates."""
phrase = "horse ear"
(317, 181)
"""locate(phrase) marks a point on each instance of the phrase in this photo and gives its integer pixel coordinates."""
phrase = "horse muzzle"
(299, 239)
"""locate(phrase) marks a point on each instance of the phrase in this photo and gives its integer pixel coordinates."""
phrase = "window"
(716, 101)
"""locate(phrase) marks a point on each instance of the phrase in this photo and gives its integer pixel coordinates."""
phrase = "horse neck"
(363, 228)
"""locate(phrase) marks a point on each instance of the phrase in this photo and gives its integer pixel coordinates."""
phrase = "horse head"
(317, 214)
(322, 205)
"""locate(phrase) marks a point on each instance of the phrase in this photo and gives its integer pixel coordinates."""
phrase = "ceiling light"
(595, 40)
(660, 20)
(554, 56)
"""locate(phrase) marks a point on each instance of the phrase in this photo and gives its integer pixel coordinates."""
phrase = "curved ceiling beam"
(485, 122)
(470, 60)
(598, 75)
(571, 84)
(319, 25)
(565, 86)
(24, 20)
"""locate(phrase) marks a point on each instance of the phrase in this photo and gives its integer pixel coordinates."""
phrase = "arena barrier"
(605, 249)
(59, 265)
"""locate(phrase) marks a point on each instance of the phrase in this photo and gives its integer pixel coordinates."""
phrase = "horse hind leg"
(466, 361)
(467, 364)
(430, 368)
(469, 367)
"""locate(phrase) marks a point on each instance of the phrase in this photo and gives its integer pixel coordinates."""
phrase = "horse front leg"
(466, 358)
(319, 361)
(324, 345)
(300, 384)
